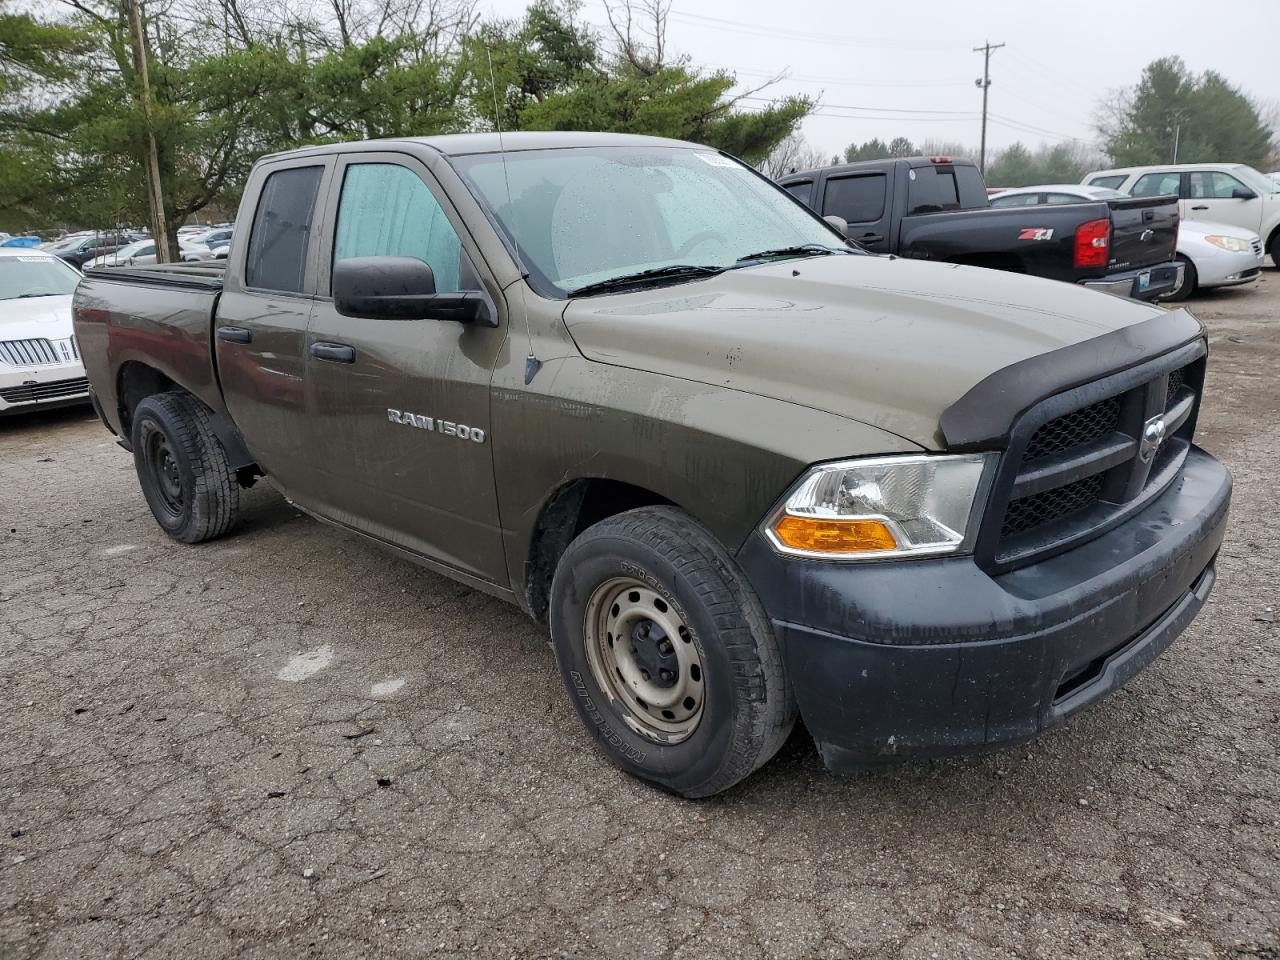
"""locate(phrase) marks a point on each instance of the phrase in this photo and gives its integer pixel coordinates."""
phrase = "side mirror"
(1243, 193)
(840, 223)
(401, 288)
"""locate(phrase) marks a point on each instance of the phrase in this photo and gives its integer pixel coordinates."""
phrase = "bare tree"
(640, 29)
(792, 153)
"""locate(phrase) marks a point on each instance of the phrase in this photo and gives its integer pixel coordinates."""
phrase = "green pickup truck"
(744, 471)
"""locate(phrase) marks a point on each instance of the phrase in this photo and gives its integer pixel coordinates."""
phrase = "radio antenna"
(531, 363)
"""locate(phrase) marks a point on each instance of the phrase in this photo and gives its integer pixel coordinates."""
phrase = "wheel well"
(566, 513)
(135, 382)
(1009, 262)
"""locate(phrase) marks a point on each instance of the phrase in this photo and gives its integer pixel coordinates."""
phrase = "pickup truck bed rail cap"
(200, 276)
(983, 417)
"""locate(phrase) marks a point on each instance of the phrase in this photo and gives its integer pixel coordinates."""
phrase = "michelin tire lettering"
(447, 427)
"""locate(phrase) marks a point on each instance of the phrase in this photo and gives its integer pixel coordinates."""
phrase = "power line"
(848, 106)
(837, 81)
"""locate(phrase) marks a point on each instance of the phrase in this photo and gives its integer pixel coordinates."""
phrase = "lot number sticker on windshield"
(715, 160)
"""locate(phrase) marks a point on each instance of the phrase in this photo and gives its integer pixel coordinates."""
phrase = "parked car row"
(1212, 254)
(936, 208)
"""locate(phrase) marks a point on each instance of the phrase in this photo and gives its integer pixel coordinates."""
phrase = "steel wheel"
(643, 656)
(164, 469)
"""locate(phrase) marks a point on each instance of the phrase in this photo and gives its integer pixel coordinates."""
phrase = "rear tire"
(1190, 282)
(667, 653)
(183, 469)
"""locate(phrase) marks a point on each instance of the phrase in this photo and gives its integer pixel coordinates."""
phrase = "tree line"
(1170, 113)
(234, 79)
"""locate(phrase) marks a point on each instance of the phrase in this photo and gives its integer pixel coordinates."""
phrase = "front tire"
(183, 469)
(667, 654)
(1275, 249)
(1190, 282)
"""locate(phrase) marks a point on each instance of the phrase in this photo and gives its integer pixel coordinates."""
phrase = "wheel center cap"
(655, 654)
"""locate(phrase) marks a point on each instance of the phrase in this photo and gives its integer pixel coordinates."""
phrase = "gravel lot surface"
(288, 744)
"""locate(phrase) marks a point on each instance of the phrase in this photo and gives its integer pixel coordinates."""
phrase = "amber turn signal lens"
(834, 536)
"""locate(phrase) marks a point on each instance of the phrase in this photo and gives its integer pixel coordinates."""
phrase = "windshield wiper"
(798, 250)
(679, 271)
(24, 296)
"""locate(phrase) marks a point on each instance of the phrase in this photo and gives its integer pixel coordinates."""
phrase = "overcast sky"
(884, 69)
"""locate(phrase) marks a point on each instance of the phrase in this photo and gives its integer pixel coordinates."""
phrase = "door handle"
(871, 238)
(337, 352)
(1201, 207)
(234, 334)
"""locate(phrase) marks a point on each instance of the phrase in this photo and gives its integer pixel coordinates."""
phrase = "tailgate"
(1144, 232)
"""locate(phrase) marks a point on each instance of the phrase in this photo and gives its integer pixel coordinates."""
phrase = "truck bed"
(160, 316)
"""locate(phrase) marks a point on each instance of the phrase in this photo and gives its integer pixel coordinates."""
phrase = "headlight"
(1234, 244)
(881, 507)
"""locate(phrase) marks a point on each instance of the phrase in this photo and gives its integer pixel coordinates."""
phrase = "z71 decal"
(1036, 233)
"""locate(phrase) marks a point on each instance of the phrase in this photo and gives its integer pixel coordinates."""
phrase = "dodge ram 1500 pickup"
(743, 470)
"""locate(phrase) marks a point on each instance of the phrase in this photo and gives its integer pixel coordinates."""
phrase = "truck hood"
(30, 318)
(883, 340)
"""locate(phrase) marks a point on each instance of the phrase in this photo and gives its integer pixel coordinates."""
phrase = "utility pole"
(1177, 117)
(155, 195)
(983, 83)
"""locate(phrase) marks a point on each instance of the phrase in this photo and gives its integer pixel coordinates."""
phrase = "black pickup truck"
(935, 208)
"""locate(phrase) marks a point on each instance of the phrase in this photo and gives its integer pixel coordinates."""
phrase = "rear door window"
(1111, 182)
(931, 190)
(278, 241)
(858, 199)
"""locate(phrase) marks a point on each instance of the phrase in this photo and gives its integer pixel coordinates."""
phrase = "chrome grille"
(1257, 247)
(53, 390)
(28, 353)
(39, 352)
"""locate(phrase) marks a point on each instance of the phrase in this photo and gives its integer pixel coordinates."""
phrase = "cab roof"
(462, 144)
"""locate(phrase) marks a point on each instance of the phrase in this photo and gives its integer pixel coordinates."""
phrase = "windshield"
(591, 214)
(35, 277)
(1103, 193)
(1256, 181)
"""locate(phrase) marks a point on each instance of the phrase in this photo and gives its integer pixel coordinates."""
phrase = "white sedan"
(1214, 254)
(39, 359)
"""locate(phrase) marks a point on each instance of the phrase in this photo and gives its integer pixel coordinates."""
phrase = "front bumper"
(41, 388)
(931, 657)
(1225, 268)
(1146, 283)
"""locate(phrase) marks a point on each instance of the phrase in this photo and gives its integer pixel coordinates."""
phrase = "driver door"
(427, 489)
